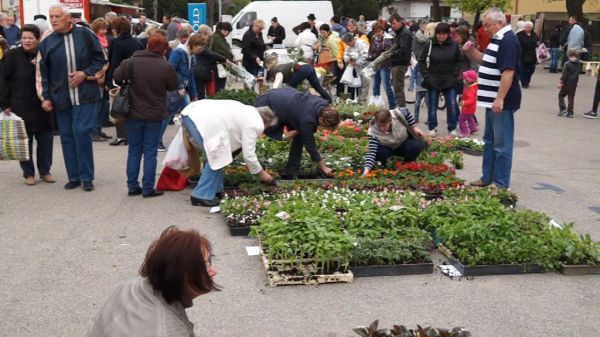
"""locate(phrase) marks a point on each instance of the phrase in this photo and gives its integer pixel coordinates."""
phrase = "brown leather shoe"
(48, 178)
(30, 181)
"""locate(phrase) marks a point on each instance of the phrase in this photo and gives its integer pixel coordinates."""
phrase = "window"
(246, 20)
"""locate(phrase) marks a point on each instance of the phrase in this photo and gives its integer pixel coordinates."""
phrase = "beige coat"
(134, 309)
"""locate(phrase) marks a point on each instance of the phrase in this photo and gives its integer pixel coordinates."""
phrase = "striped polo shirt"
(503, 52)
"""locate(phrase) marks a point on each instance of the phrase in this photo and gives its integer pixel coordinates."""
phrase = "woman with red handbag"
(205, 71)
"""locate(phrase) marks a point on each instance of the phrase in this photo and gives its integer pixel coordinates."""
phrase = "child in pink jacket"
(466, 119)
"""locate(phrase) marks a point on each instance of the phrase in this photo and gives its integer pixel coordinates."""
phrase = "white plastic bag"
(221, 71)
(542, 53)
(377, 101)
(349, 79)
(177, 156)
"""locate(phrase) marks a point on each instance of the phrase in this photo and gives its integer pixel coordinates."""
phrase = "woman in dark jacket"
(219, 45)
(121, 48)
(529, 41)
(440, 64)
(206, 68)
(18, 95)
(302, 113)
(151, 77)
(554, 48)
(253, 47)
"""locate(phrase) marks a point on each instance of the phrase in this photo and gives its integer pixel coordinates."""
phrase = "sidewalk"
(63, 252)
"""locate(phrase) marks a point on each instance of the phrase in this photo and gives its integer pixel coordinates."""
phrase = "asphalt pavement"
(63, 252)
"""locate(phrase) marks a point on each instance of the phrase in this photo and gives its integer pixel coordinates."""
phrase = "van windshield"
(246, 20)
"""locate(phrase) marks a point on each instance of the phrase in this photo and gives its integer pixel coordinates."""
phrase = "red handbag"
(171, 180)
(211, 87)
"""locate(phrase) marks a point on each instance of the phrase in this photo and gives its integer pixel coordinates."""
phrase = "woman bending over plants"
(393, 132)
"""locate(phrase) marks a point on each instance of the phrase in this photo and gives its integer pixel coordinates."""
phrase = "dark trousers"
(569, 92)
(101, 112)
(295, 155)
(143, 138)
(527, 70)
(409, 151)
(201, 89)
(398, 74)
(44, 141)
(596, 97)
(76, 125)
(306, 72)
(221, 82)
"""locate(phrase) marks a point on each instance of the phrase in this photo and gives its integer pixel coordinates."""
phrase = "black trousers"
(596, 97)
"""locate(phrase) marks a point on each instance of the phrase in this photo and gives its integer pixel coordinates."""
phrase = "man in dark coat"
(276, 31)
(70, 56)
(302, 113)
(400, 57)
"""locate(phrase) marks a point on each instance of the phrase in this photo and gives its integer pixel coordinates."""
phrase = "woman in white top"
(306, 41)
(218, 128)
(154, 304)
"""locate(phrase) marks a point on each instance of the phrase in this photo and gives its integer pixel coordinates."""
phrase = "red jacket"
(469, 99)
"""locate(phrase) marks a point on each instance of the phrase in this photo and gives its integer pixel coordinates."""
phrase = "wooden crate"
(277, 278)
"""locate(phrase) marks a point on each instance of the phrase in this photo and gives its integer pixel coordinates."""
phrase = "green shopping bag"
(14, 143)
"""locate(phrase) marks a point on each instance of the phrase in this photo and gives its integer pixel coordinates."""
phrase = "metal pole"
(155, 9)
(220, 10)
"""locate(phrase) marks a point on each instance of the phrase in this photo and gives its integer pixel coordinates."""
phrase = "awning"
(108, 3)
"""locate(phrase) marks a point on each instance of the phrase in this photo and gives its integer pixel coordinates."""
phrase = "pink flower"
(433, 154)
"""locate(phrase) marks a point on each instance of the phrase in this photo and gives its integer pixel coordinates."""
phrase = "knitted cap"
(470, 76)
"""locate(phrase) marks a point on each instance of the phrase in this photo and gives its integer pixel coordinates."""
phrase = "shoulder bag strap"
(408, 127)
(429, 53)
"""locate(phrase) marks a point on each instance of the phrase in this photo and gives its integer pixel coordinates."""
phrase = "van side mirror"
(239, 25)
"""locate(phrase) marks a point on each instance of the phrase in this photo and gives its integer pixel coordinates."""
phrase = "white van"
(289, 14)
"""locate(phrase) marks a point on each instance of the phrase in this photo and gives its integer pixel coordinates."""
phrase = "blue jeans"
(433, 95)
(386, 74)
(419, 96)
(143, 138)
(307, 72)
(76, 126)
(498, 139)
(45, 140)
(211, 181)
(171, 110)
(554, 52)
(409, 151)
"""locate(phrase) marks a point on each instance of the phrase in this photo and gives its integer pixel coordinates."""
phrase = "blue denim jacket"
(179, 59)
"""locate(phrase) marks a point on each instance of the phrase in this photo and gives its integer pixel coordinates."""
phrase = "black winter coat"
(121, 48)
(206, 62)
(278, 34)
(528, 45)
(18, 90)
(252, 47)
(296, 110)
(445, 63)
(403, 51)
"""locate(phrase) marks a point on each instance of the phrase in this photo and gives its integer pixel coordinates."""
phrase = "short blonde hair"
(260, 23)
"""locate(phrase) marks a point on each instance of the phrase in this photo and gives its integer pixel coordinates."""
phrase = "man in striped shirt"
(500, 94)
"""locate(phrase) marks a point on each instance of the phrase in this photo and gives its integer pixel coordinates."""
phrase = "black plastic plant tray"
(392, 270)
(497, 269)
(239, 231)
(470, 152)
(580, 269)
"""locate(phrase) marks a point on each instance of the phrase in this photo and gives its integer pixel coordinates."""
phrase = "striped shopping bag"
(14, 143)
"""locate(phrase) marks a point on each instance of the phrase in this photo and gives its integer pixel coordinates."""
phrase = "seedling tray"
(470, 151)
(580, 269)
(276, 278)
(239, 231)
(494, 269)
(392, 270)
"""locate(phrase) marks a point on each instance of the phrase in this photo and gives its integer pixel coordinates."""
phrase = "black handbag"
(121, 105)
